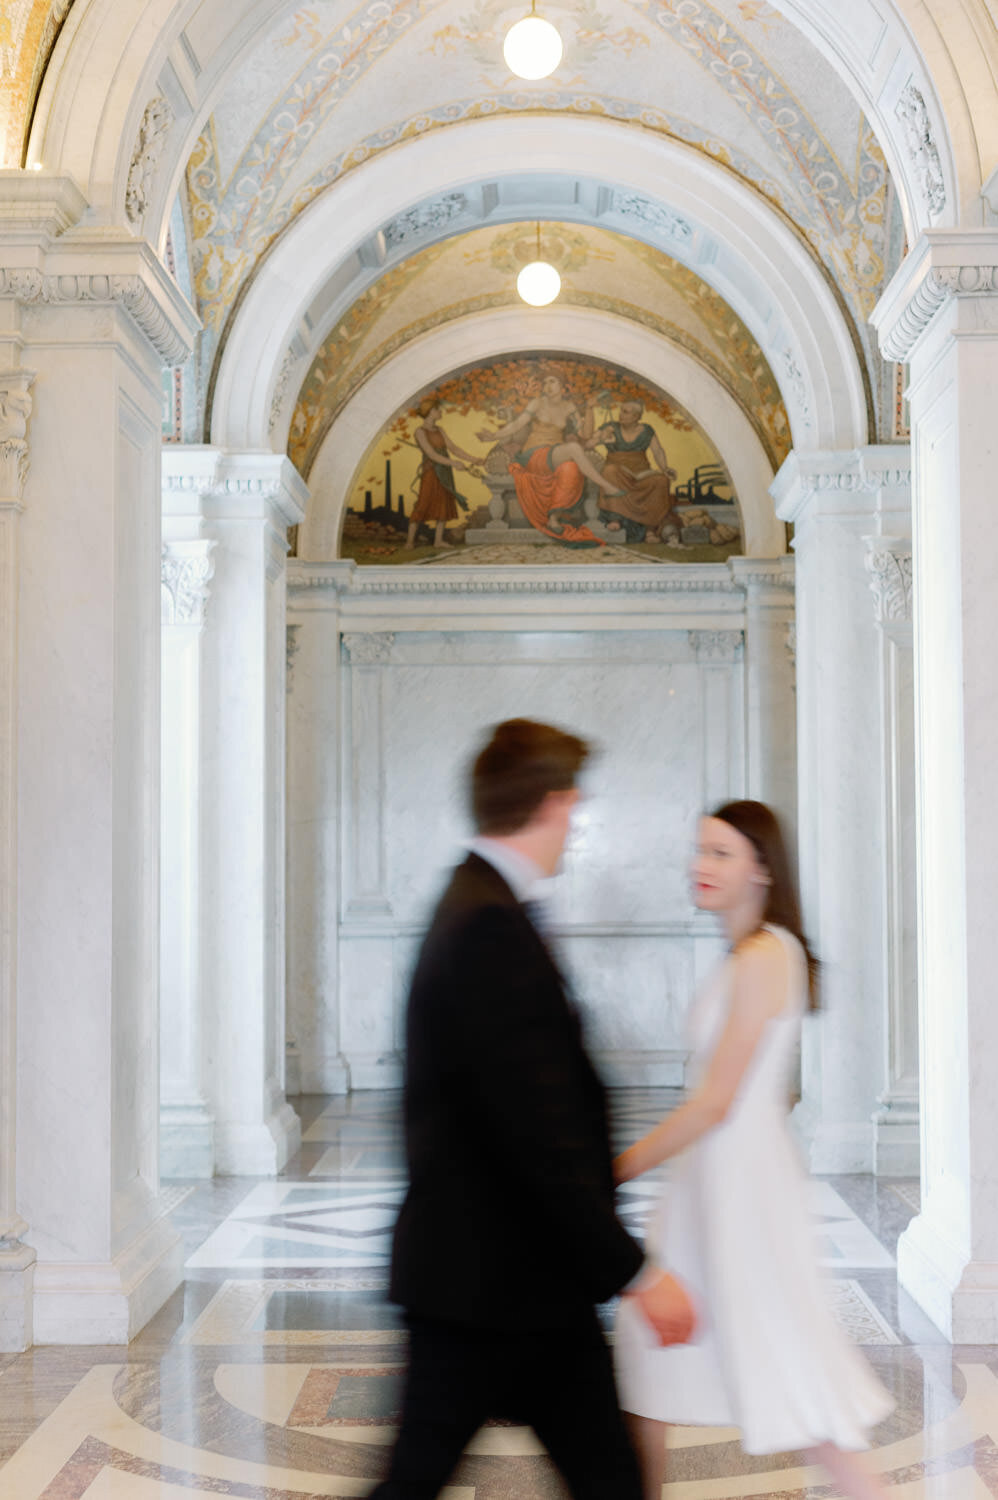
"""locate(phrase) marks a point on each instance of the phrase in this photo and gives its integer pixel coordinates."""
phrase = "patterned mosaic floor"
(274, 1372)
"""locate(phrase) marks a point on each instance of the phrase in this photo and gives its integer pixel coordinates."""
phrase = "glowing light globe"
(532, 48)
(538, 283)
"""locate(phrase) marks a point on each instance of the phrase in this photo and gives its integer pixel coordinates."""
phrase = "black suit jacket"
(509, 1218)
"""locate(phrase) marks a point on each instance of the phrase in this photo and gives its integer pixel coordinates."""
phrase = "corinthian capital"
(186, 572)
(15, 413)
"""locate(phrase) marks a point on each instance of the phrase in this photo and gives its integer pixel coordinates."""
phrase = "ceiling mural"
(741, 84)
(540, 457)
(476, 271)
(28, 29)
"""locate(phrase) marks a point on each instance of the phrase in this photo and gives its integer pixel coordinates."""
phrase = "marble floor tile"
(275, 1372)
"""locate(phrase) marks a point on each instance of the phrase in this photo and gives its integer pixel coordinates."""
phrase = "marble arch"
(112, 54)
(575, 330)
(736, 242)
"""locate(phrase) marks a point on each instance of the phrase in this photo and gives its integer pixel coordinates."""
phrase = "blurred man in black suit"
(508, 1236)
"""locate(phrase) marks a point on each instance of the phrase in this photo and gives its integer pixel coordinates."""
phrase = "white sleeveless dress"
(733, 1224)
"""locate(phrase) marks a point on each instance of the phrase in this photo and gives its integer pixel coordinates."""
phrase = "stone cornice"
(763, 572)
(35, 207)
(208, 482)
(856, 471)
(941, 264)
(126, 273)
(346, 578)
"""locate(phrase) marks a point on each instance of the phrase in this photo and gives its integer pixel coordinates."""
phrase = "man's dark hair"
(516, 769)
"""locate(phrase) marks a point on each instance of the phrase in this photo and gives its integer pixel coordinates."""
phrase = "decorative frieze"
(130, 292)
(186, 571)
(923, 152)
(280, 389)
(888, 562)
(710, 578)
(654, 215)
(368, 648)
(716, 645)
(156, 122)
(938, 284)
(15, 412)
(425, 219)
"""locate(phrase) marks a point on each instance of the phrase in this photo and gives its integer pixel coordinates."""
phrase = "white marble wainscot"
(16, 1259)
(940, 315)
(96, 317)
(242, 503)
(186, 1123)
(836, 500)
(646, 661)
(888, 562)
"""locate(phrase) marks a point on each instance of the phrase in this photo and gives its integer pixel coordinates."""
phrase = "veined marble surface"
(278, 1377)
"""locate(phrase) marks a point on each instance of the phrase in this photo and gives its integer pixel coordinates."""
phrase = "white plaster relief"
(15, 412)
(186, 572)
(131, 292)
(156, 122)
(281, 388)
(911, 111)
(939, 283)
(889, 567)
(716, 645)
(668, 225)
(426, 218)
(368, 649)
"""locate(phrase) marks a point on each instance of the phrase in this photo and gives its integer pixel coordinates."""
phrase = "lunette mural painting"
(532, 456)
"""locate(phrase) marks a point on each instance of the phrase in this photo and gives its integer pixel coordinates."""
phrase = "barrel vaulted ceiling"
(329, 86)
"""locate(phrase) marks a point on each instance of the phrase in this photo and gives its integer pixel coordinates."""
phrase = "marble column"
(770, 711)
(243, 504)
(186, 1123)
(722, 710)
(896, 1150)
(314, 822)
(97, 317)
(940, 315)
(837, 500)
(17, 1260)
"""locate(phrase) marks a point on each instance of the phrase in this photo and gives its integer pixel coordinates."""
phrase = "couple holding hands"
(508, 1237)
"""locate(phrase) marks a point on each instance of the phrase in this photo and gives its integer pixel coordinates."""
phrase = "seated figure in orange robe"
(549, 471)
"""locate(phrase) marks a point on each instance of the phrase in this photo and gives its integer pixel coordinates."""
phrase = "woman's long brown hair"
(759, 824)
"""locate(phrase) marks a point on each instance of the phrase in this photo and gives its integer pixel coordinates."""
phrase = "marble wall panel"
(669, 726)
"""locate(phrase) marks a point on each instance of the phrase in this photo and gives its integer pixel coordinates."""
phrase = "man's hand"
(667, 1308)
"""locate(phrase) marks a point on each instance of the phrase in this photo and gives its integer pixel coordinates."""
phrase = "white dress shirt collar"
(519, 872)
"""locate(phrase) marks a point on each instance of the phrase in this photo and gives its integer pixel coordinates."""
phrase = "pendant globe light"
(538, 283)
(532, 47)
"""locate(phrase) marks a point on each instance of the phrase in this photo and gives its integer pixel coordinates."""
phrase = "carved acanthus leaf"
(15, 413)
(186, 572)
(911, 110)
(889, 567)
(716, 645)
(156, 122)
(369, 648)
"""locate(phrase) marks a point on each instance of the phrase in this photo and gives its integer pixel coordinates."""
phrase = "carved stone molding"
(156, 122)
(716, 645)
(369, 648)
(15, 412)
(291, 651)
(790, 643)
(888, 562)
(923, 153)
(424, 219)
(280, 389)
(939, 283)
(711, 578)
(131, 292)
(669, 225)
(186, 572)
(794, 378)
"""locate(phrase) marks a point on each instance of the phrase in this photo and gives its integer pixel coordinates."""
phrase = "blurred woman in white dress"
(733, 1225)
